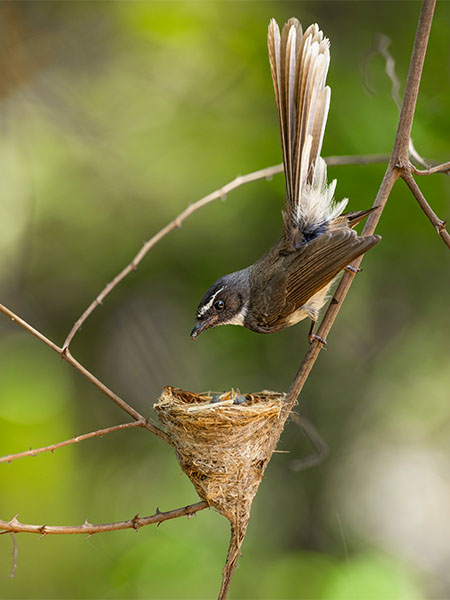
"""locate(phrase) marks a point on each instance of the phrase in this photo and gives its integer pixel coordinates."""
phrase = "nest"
(223, 444)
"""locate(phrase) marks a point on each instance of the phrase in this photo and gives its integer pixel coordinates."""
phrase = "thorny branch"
(221, 193)
(66, 355)
(136, 523)
(75, 440)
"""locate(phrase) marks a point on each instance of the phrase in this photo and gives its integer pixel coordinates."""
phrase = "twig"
(444, 168)
(438, 224)
(14, 553)
(311, 433)
(66, 355)
(266, 173)
(351, 159)
(75, 440)
(383, 43)
(88, 528)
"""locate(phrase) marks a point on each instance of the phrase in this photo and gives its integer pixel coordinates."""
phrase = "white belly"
(312, 307)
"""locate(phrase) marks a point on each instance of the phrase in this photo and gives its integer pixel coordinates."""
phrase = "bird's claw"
(352, 269)
(314, 337)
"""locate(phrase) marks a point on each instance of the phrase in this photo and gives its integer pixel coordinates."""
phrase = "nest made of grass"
(223, 447)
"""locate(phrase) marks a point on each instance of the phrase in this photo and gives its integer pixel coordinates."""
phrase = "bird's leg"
(313, 336)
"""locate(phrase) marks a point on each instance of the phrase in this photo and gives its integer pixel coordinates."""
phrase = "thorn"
(14, 520)
(158, 512)
(135, 522)
(43, 532)
(334, 301)
(86, 523)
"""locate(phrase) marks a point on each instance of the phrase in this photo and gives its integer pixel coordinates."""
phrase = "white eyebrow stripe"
(205, 308)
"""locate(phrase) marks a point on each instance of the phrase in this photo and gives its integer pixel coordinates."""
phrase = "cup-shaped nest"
(223, 443)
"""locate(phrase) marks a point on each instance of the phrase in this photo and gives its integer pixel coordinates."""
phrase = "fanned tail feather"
(299, 64)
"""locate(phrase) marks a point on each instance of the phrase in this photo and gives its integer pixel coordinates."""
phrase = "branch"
(362, 159)
(222, 192)
(65, 354)
(14, 553)
(401, 145)
(88, 528)
(319, 444)
(437, 223)
(444, 168)
(75, 440)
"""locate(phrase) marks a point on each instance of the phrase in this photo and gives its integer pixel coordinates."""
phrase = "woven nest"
(223, 444)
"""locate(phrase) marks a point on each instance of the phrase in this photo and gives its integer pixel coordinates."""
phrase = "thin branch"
(66, 355)
(222, 192)
(437, 223)
(317, 441)
(351, 159)
(444, 168)
(88, 528)
(75, 440)
(401, 145)
(14, 553)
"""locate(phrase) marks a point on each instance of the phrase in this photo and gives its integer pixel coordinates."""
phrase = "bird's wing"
(317, 263)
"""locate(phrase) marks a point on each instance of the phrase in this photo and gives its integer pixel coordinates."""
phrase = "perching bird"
(292, 280)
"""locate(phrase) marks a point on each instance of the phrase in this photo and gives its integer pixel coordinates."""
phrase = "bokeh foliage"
(114, 116)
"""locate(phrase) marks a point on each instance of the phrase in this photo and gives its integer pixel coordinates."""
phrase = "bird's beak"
(202, 326)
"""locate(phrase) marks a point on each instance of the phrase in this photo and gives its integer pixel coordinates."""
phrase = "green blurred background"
(113, 117)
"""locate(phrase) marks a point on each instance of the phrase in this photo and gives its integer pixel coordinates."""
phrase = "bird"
(292, 280)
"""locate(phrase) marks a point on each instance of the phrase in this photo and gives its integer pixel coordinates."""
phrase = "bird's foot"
(314, 337)
(352, 269)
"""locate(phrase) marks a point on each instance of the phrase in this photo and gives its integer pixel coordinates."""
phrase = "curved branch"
(444, 168)
(88, 528)
(65, 354)
(75, 440)
(437, 223)
(222, 192)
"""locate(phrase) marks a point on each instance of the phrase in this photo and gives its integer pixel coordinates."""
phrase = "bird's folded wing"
(319, 261)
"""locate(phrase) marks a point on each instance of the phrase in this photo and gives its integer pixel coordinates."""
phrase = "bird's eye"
(219, 305)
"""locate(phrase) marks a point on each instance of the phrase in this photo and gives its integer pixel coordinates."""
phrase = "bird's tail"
(299, 64)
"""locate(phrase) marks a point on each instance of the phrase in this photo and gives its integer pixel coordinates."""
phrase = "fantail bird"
(291, 281)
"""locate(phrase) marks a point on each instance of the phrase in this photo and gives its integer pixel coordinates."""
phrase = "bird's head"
(225, 303)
